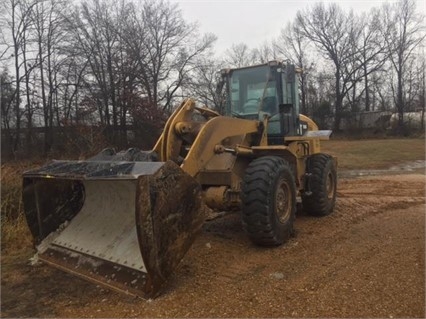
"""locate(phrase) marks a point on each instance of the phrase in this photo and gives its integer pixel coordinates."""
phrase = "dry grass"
(359, 154)
(15, 234)
(14, 231)
(375, 154)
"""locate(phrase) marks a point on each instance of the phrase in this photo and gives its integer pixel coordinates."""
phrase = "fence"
(73, 141)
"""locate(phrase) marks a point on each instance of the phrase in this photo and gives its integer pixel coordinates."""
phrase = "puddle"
(418, 166)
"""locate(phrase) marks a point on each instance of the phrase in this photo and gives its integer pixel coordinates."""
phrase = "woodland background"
(78, 76)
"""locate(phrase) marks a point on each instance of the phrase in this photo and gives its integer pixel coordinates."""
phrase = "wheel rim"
(330, 186)
(283, 201)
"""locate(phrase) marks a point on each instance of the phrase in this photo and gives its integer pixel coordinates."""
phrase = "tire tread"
(317, 203)
(256, 201)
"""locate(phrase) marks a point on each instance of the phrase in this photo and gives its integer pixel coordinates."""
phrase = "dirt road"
(367, 259)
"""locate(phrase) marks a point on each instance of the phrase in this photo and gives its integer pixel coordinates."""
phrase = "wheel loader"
(125, 220)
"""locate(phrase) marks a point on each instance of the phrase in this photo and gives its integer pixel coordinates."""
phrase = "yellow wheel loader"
(125, 220)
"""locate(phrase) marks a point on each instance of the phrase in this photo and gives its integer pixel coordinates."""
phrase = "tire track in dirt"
(364, 260)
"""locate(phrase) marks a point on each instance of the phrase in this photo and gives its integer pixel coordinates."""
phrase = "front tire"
(268, 196)
(321, 196)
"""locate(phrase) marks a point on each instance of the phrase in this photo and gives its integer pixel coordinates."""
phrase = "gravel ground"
(367, 259)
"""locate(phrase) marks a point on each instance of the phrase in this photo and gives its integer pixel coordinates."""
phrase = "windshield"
(251, 92)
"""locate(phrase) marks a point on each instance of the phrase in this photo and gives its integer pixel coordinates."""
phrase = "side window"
(253, 92)
(274, 126)
(270, 101)
(290, 96)
(287, 88)
(235, 93)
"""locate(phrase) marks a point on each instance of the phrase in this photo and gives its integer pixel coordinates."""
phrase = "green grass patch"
(374, 154)
(351, 154)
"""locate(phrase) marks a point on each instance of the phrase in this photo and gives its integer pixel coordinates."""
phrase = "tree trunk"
(17, 101)
(51, 92)
(423, 98)
(29, 115)
(112, 92)
(354, 109)
(400, 103)
(44, 100)
(339, 101)
(338, 115)
(367, 92)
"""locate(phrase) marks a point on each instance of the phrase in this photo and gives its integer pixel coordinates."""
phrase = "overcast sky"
(254, 22)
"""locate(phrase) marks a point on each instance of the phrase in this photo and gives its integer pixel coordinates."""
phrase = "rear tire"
(268, 196)
(322, 185)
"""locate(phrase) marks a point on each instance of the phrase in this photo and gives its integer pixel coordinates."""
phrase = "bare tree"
(293, 45)
(422, 95)
(98, 61)
(98, 41)
(7, 93)
(240, 55)
(95, 28)
(373, 52)
(204, 81)
(29, 64)
(73, 71)
(18, 21)
(404, 28)
(265, 52)
(332, 31)
(172, 47)
(370, 56)
(48, 17)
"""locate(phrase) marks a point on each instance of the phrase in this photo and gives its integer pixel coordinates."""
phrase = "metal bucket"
(125, 225)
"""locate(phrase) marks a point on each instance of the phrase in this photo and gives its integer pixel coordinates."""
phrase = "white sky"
(254, 22)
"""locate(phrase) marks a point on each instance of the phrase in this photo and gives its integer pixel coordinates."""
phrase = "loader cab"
(270, 90)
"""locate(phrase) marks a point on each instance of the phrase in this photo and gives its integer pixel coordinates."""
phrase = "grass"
(14, 231)
(374, 154)
(352, 154)
(15, 234)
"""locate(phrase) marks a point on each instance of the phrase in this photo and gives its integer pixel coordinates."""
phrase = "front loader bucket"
(125, 225)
